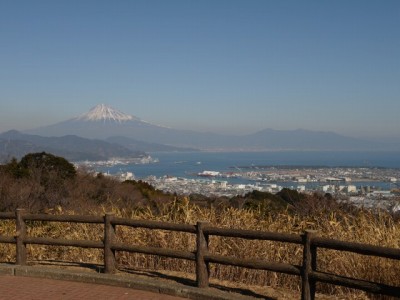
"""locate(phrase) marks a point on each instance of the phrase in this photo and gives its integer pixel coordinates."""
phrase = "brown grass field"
(364, 227)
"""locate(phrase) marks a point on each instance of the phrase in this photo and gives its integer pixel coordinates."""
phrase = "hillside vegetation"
(42, 182)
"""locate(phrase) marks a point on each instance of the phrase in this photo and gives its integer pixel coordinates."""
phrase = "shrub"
(48, 165)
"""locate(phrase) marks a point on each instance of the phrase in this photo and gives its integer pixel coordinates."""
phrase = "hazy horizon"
(231, 67)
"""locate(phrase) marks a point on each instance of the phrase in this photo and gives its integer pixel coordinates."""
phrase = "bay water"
(189, 164)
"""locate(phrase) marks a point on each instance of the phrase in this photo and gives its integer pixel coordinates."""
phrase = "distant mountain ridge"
(106, 123)
(74, 148)
(136, 145)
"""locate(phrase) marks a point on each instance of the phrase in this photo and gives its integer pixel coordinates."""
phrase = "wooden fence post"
(109, 238)
(313, 249)
(202, 268)
(309, 265)
(20, 237)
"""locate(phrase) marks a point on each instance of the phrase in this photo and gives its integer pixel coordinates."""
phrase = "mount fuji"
(101, 121)
(105, 113)
(106, 123)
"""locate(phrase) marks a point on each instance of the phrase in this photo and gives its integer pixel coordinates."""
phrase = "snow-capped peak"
(103, 112)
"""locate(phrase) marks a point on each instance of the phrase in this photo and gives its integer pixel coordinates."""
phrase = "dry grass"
(364, 227)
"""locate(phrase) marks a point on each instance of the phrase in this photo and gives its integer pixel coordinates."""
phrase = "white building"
(301, 188)
(328, 188)
(351, 189)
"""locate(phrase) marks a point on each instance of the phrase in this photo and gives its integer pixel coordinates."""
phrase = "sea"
(189, 164)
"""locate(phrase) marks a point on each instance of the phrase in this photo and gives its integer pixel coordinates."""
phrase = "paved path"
(29, 288)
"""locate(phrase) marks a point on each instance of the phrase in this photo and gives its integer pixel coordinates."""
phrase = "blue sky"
(223, 66)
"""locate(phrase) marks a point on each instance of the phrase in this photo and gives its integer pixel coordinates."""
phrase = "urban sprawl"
(367, 187)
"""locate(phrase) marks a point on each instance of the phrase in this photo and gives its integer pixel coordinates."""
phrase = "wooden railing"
(202, 257)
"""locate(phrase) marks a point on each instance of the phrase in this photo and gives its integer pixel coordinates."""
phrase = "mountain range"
(104, 132)
(106, 123)
(16, 144)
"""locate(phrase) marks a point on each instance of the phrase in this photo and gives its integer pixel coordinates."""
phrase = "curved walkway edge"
(151, 285)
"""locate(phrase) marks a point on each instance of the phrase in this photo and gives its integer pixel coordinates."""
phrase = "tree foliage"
(47, 164)
(264, 202)
(290, 196)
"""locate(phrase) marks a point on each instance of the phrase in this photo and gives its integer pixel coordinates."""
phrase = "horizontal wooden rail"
(155, 251)
(7, 215)
(309, 241)
(63, 242)
(254, 264)
(64, 218)
(359, 248)
(254, 235)
(154, 225)
(7, 239)
(367, 286)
